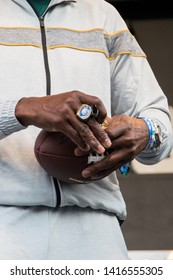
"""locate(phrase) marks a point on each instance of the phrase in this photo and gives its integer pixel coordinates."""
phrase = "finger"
(75, 137)
(98, 167)
(93, 100)
(115, 131)
(111, 162)
(78, 152)
(87, 135)
(103, 173)
(106, 172)
(99, 132)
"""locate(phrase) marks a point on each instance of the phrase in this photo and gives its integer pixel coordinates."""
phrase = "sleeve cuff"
(8, 122)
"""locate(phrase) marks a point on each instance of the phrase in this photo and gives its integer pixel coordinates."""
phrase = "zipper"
(45, 56)
(48, 92)
(44, 45)
(48, 86)
(45, 53)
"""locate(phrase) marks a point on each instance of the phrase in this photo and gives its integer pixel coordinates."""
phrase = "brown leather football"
(55, 153)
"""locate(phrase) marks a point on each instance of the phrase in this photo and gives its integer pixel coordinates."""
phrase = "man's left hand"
(129, 137)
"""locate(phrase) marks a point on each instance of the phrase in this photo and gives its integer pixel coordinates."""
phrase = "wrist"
(155, 133)
(21, 111)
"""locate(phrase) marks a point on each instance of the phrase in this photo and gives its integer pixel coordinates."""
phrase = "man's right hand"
(58, 113)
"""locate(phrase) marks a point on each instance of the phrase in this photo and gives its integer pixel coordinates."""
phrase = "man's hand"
(129, 137)
(58, 113)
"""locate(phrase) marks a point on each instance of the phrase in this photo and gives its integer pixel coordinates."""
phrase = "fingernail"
(107, 143)
(100, 149)
(86, 173)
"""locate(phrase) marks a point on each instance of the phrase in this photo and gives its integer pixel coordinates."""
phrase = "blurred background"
(148, 190)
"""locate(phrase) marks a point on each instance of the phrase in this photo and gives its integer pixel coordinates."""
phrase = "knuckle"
(70, 103)
(64, 111)
(97, 100)
(77, 93)
(76, 135)
(88, 136)
(92, 121)
(84, 129)
(103, 136)
(54, 118)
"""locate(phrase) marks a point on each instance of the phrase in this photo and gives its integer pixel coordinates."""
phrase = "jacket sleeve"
(135, 90)
(8, 122)
(137, 93)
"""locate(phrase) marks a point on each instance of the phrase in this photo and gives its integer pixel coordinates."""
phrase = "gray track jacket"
(87, 47)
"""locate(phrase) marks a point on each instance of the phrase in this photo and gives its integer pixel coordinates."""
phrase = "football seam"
(54, 155)
(41, 142)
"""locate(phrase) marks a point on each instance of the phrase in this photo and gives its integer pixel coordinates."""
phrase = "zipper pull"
(41, 19)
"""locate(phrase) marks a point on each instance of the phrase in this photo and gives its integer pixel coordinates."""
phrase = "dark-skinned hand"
(58, 113)
(129, 137)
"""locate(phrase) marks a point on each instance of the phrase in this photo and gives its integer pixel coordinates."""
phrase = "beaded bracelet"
(152, 130)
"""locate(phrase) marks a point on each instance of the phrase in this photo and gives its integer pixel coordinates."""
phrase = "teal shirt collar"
(40, 6)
